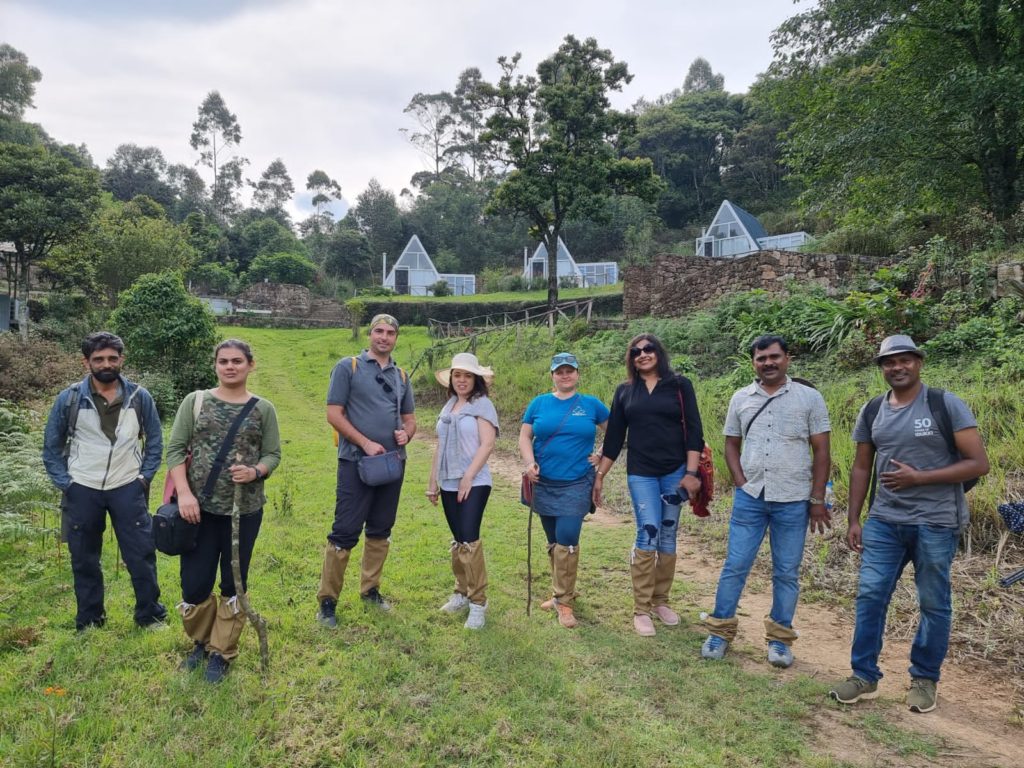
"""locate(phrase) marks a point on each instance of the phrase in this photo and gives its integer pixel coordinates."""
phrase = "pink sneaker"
(668, 617)
(643, 625)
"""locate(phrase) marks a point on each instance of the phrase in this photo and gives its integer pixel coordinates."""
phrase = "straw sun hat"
(464, 361)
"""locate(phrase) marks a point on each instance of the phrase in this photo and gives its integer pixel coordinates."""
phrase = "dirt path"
(974, 720)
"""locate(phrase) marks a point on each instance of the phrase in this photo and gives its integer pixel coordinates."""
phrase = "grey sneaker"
(853, 689)
(779, 654)
(921, 697)
(326, 613)
(714, 647)
(375, 598)
(456, 603)
(477, 616)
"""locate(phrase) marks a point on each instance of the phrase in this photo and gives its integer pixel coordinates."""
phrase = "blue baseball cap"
(564, 358)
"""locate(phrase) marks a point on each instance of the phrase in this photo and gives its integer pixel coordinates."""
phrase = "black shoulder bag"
(172, 534)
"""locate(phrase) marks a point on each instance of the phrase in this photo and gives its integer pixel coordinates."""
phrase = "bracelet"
(601, 474)
(693, 472)
(813, 501)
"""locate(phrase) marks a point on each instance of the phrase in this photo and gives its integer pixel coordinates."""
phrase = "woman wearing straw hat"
(466, 430)
(556, 442)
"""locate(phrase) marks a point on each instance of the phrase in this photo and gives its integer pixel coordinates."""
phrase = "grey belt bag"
(381, 469)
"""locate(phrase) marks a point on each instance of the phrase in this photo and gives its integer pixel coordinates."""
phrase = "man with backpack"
(918, 450)
(777, 450)
(370, 405)
(91, 452)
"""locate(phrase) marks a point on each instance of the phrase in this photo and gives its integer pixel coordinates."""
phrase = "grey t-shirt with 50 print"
(911, 435)
(368, 405)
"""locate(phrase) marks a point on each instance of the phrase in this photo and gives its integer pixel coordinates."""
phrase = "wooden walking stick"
(236, 569)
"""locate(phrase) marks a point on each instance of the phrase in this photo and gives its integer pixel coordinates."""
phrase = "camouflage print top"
(258, 442)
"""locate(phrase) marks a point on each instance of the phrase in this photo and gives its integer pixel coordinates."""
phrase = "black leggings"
(464, 519)
(199, 567)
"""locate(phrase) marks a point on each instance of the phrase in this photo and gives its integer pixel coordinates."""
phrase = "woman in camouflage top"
(215, 628)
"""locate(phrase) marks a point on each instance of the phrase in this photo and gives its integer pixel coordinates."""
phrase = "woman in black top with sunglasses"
(658, 409)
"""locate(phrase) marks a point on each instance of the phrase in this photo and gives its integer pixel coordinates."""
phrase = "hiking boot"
(565, 616)
(91, 624)
(714, 648)
(476, 617)
(456, 603)
(921, 696)
(667, 616)
(195, 659)
(853, 689)
(643, 625)
(779, 654)
(375, 598)
(216, 668)
(326, 615)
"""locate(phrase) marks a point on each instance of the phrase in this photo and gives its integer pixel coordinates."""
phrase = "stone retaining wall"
(673, 285)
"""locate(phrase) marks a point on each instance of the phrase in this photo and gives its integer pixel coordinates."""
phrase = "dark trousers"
(564, 529)
(358, 505)
(86, 510)
(464, 519)
(213, 549)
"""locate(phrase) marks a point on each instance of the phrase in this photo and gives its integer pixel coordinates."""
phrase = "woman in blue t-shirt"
(555, 442)
(466, 430)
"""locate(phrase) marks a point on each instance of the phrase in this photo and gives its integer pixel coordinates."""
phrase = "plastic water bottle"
(830, 497)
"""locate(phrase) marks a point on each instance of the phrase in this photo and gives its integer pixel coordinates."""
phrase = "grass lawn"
(407, 688)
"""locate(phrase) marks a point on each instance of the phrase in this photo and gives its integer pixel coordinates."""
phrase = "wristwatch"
(814, 501)
(693, 472)
(259, 475)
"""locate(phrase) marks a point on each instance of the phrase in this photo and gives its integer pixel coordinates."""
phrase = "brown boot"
(332, 576)
(664, 574)
(375, 552)
(549, 604)
(641, 569)
(197, 620)
(471, 555)
(227, 628)
(458, 570)
(566, 564)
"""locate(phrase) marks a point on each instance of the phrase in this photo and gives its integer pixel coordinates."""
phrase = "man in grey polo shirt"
(370, 405)
(780, 486)
(921, 445)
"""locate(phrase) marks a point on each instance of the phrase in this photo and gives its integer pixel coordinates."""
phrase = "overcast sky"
(322, 83)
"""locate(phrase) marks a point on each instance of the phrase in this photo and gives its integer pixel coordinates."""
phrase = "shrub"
(67, 318)
(213, 278)
(167, 330)
(440, 288)
(36, 369)
(292, 268)
(161, 387)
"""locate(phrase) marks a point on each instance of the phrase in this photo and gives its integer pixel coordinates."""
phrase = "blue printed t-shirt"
(564, 456)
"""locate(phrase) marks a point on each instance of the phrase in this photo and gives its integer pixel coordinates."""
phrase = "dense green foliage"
(167, 330)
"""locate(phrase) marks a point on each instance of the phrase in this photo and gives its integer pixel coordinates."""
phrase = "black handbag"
(173, 534)
(381, 469)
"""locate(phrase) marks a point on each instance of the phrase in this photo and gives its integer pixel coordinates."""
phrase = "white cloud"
(322, 84)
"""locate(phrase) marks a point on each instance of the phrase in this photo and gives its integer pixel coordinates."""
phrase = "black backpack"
(937, 405)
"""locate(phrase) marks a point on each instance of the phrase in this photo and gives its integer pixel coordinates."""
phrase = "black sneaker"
(326, 613)
(195, 659)
(93, 624)
(375, 598)
(216, 668)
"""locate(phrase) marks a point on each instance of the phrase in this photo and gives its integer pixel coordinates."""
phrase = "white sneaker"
(456, 603)
(476, 616)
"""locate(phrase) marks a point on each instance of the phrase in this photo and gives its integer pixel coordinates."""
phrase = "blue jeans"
(656, 505)
(564, 529)
(786, 523)
(888, 548)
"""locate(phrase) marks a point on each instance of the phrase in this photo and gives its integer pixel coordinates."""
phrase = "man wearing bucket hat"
(466, 430)
(370, 404)
(916, 448)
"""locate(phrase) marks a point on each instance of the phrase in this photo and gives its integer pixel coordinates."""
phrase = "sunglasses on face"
(383, 383)
(646, 349)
